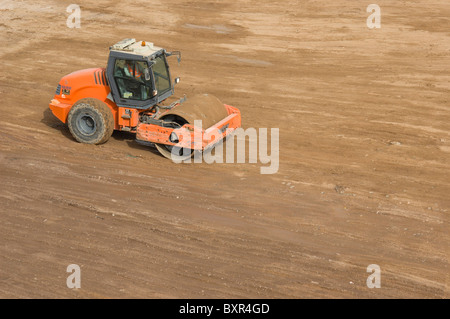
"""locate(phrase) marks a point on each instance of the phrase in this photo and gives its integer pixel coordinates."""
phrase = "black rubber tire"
(90, 121)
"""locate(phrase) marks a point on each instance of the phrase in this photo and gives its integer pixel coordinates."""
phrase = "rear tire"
(91, 121)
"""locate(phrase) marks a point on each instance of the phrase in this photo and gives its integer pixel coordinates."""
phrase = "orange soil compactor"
(131, 94)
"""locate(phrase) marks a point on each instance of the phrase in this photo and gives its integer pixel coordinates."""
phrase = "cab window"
(130, 79)
(162, 79)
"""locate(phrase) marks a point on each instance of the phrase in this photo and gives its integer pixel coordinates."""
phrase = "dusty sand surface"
(364, 169)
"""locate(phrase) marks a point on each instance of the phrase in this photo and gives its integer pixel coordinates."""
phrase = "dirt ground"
(364, 175)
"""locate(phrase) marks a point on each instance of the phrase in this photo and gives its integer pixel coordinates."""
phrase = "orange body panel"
(127, 117)
(190, 136)
(60, 110)
(88, 83)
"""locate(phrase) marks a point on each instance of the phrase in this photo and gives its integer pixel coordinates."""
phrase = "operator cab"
(138, 74)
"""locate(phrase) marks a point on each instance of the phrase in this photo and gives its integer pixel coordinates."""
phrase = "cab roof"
(133, 47)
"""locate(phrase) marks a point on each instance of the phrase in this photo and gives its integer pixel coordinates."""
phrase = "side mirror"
(177, 80)
(177, 53)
